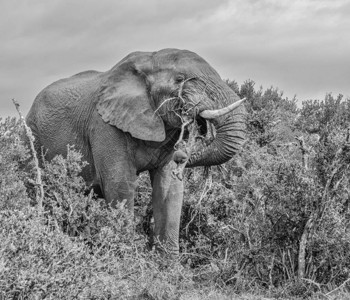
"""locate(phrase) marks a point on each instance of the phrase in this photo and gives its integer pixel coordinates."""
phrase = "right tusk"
(213, 114)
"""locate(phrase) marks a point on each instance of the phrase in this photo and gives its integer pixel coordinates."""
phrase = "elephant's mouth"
(215, 135)
(203, 133)
(206, 120)
(211, 121)
(203, 126)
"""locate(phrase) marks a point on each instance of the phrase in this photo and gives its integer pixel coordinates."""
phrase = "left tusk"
(213, 114)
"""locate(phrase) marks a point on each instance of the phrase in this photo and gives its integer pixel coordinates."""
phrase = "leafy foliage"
(275, 219)
(13, 153)
(258, 217)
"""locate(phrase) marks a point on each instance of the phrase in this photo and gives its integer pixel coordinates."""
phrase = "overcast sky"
(300, 46)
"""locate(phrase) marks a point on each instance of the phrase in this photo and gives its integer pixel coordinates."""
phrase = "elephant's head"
(149, 93)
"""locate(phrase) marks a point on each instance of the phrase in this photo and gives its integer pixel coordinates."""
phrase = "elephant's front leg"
(115, 170)
(167, 197)
(119, 185)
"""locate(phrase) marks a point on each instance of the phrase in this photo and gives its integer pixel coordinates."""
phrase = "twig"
(183, 126)
(179, 96)
(181, 88)
(166, 100)
(304, 151)
(186, 147)
(39, 188)
(339, 287)
(206, 189)
(312, 282)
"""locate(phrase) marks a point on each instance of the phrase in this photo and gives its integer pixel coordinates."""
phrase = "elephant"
(131, 118)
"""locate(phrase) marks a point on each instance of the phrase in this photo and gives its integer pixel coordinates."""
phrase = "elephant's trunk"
(217, 103)
(229, 138)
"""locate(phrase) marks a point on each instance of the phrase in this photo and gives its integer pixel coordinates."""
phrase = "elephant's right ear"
(124, 103)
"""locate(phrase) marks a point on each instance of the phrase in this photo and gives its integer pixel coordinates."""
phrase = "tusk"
(213, 114)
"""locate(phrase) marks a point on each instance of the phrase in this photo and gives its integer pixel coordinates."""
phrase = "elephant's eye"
(180, 78)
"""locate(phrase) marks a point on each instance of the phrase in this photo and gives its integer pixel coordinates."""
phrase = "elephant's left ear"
(124, 103)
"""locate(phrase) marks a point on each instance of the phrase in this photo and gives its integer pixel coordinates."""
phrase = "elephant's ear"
(124, 103)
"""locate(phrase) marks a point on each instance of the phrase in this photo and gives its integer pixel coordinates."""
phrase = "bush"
(77, 247)
(274, 220)
(279, 214)
(13, 154)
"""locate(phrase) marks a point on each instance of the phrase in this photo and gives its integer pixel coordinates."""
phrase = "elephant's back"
(59, 110)
(68, 90)
(66, 93)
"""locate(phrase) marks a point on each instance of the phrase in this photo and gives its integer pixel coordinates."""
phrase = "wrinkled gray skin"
(122, 124)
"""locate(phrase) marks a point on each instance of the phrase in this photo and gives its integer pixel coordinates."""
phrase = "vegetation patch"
(274, 221)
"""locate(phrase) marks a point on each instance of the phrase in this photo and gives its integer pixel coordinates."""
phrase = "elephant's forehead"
(183, 61)
(177, 57)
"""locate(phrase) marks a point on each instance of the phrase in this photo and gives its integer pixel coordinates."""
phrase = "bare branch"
(39, 188)
(181, 89)
(339, 287)
(184, 146)
(305, 151)
(166, 100)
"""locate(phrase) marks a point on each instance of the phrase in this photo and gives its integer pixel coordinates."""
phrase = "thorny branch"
(182, 87)
(179, 97)
(38, 181)
(186, 147)
(165, 101)
(183, 127)
(181, 146)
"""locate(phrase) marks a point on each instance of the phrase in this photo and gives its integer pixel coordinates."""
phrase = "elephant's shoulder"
(76, 80)
(86, 73)
(83, 80)
(67, 91)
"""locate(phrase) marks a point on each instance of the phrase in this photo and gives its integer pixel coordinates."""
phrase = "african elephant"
(128, 120)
